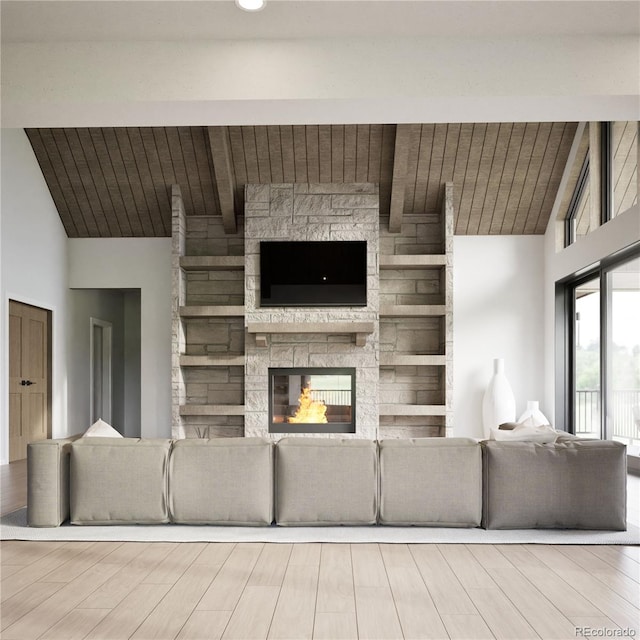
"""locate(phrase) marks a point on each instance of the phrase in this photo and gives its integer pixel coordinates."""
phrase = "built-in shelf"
(358, 329)
(212, 263)
(212, 410)
(211, 361)
(399, 360)
(211, 311)
(412, 261)
(412, 310)
(412, 410)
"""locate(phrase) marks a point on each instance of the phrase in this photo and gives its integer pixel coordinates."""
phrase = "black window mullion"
(564, 358)
(606, 173)
(605, 361)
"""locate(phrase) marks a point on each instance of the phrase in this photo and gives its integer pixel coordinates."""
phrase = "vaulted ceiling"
(115, 182)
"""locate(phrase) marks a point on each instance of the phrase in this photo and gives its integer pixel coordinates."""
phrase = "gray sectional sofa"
(435, 482)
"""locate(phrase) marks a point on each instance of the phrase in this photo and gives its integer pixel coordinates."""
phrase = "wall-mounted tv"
(313, 274)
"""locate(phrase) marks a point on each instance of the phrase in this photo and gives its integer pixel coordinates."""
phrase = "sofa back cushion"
(322, 481)
(222, 481)
(431, 482)
(119, 481)
(572, 484)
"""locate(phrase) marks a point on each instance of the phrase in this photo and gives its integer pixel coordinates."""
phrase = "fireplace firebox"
(312, 400)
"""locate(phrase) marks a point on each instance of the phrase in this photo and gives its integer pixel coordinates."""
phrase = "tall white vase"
(533, 414)
(499, 404)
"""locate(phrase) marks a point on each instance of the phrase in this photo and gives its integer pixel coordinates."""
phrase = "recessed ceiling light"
(251, 5)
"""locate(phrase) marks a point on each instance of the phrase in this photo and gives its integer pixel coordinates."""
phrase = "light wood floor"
(69, 590)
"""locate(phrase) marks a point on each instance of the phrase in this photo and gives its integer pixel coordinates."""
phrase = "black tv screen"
(313, 274)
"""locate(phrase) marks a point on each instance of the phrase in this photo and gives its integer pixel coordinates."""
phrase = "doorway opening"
(101, 354)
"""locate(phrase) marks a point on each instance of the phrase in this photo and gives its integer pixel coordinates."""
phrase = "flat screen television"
(313, 274)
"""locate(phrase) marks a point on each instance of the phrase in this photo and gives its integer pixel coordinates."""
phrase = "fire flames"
(309, 411)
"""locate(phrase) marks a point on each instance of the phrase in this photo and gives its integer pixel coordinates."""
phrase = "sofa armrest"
(48, 482)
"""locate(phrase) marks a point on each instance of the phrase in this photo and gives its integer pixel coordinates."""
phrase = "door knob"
(26, 383)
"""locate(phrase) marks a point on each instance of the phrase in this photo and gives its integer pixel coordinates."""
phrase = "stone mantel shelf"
(212, 410)
(412, 410)
(212, 263)
(417, 261)
(358, 329)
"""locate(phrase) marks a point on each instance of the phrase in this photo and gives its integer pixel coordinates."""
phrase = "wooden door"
(28, 377)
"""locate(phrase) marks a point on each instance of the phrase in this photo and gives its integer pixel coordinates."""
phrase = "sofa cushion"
(323, 481)
(572, 484)
(222, 481)
(119, 481)
(431, 482)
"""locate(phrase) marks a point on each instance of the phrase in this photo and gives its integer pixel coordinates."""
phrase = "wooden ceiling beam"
(223, 176)
(399, 179)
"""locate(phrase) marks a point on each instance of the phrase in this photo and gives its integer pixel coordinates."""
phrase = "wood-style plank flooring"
(113, 590)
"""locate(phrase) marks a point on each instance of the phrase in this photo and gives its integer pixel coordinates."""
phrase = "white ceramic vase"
(499, 404)
(533, 414)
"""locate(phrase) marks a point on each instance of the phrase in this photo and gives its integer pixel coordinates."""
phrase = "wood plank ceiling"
(115, 182)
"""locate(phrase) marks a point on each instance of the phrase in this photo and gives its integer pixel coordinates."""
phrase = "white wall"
(586, 252)
(498, 312)
(145, 264)
(33, 269)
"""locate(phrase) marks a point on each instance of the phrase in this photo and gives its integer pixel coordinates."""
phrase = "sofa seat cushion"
(431, 482)
(325, 481)
(119, 481)
(572, 484)
(225, 481)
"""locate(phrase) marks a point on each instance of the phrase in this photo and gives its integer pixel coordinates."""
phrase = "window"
(623, 353)
(603, 180)
(624, 151)
(586, 359)
(602, 364)
(579, 218)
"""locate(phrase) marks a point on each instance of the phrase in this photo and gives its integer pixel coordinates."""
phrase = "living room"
(467, 67)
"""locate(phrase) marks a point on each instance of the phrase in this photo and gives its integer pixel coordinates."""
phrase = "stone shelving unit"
(208, 327)
(416, 340)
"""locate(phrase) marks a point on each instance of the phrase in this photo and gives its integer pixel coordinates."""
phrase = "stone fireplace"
(311, 338)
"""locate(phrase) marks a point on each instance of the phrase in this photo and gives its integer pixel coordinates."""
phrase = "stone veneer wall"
(429, 233)
(178, 296)
(400, 383)
(206, 336)
(311, 212)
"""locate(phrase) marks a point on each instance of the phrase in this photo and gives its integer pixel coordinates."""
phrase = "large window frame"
(565, 414)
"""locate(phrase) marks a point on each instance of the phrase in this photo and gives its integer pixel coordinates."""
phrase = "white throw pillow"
(100, 429)
(524, 432)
